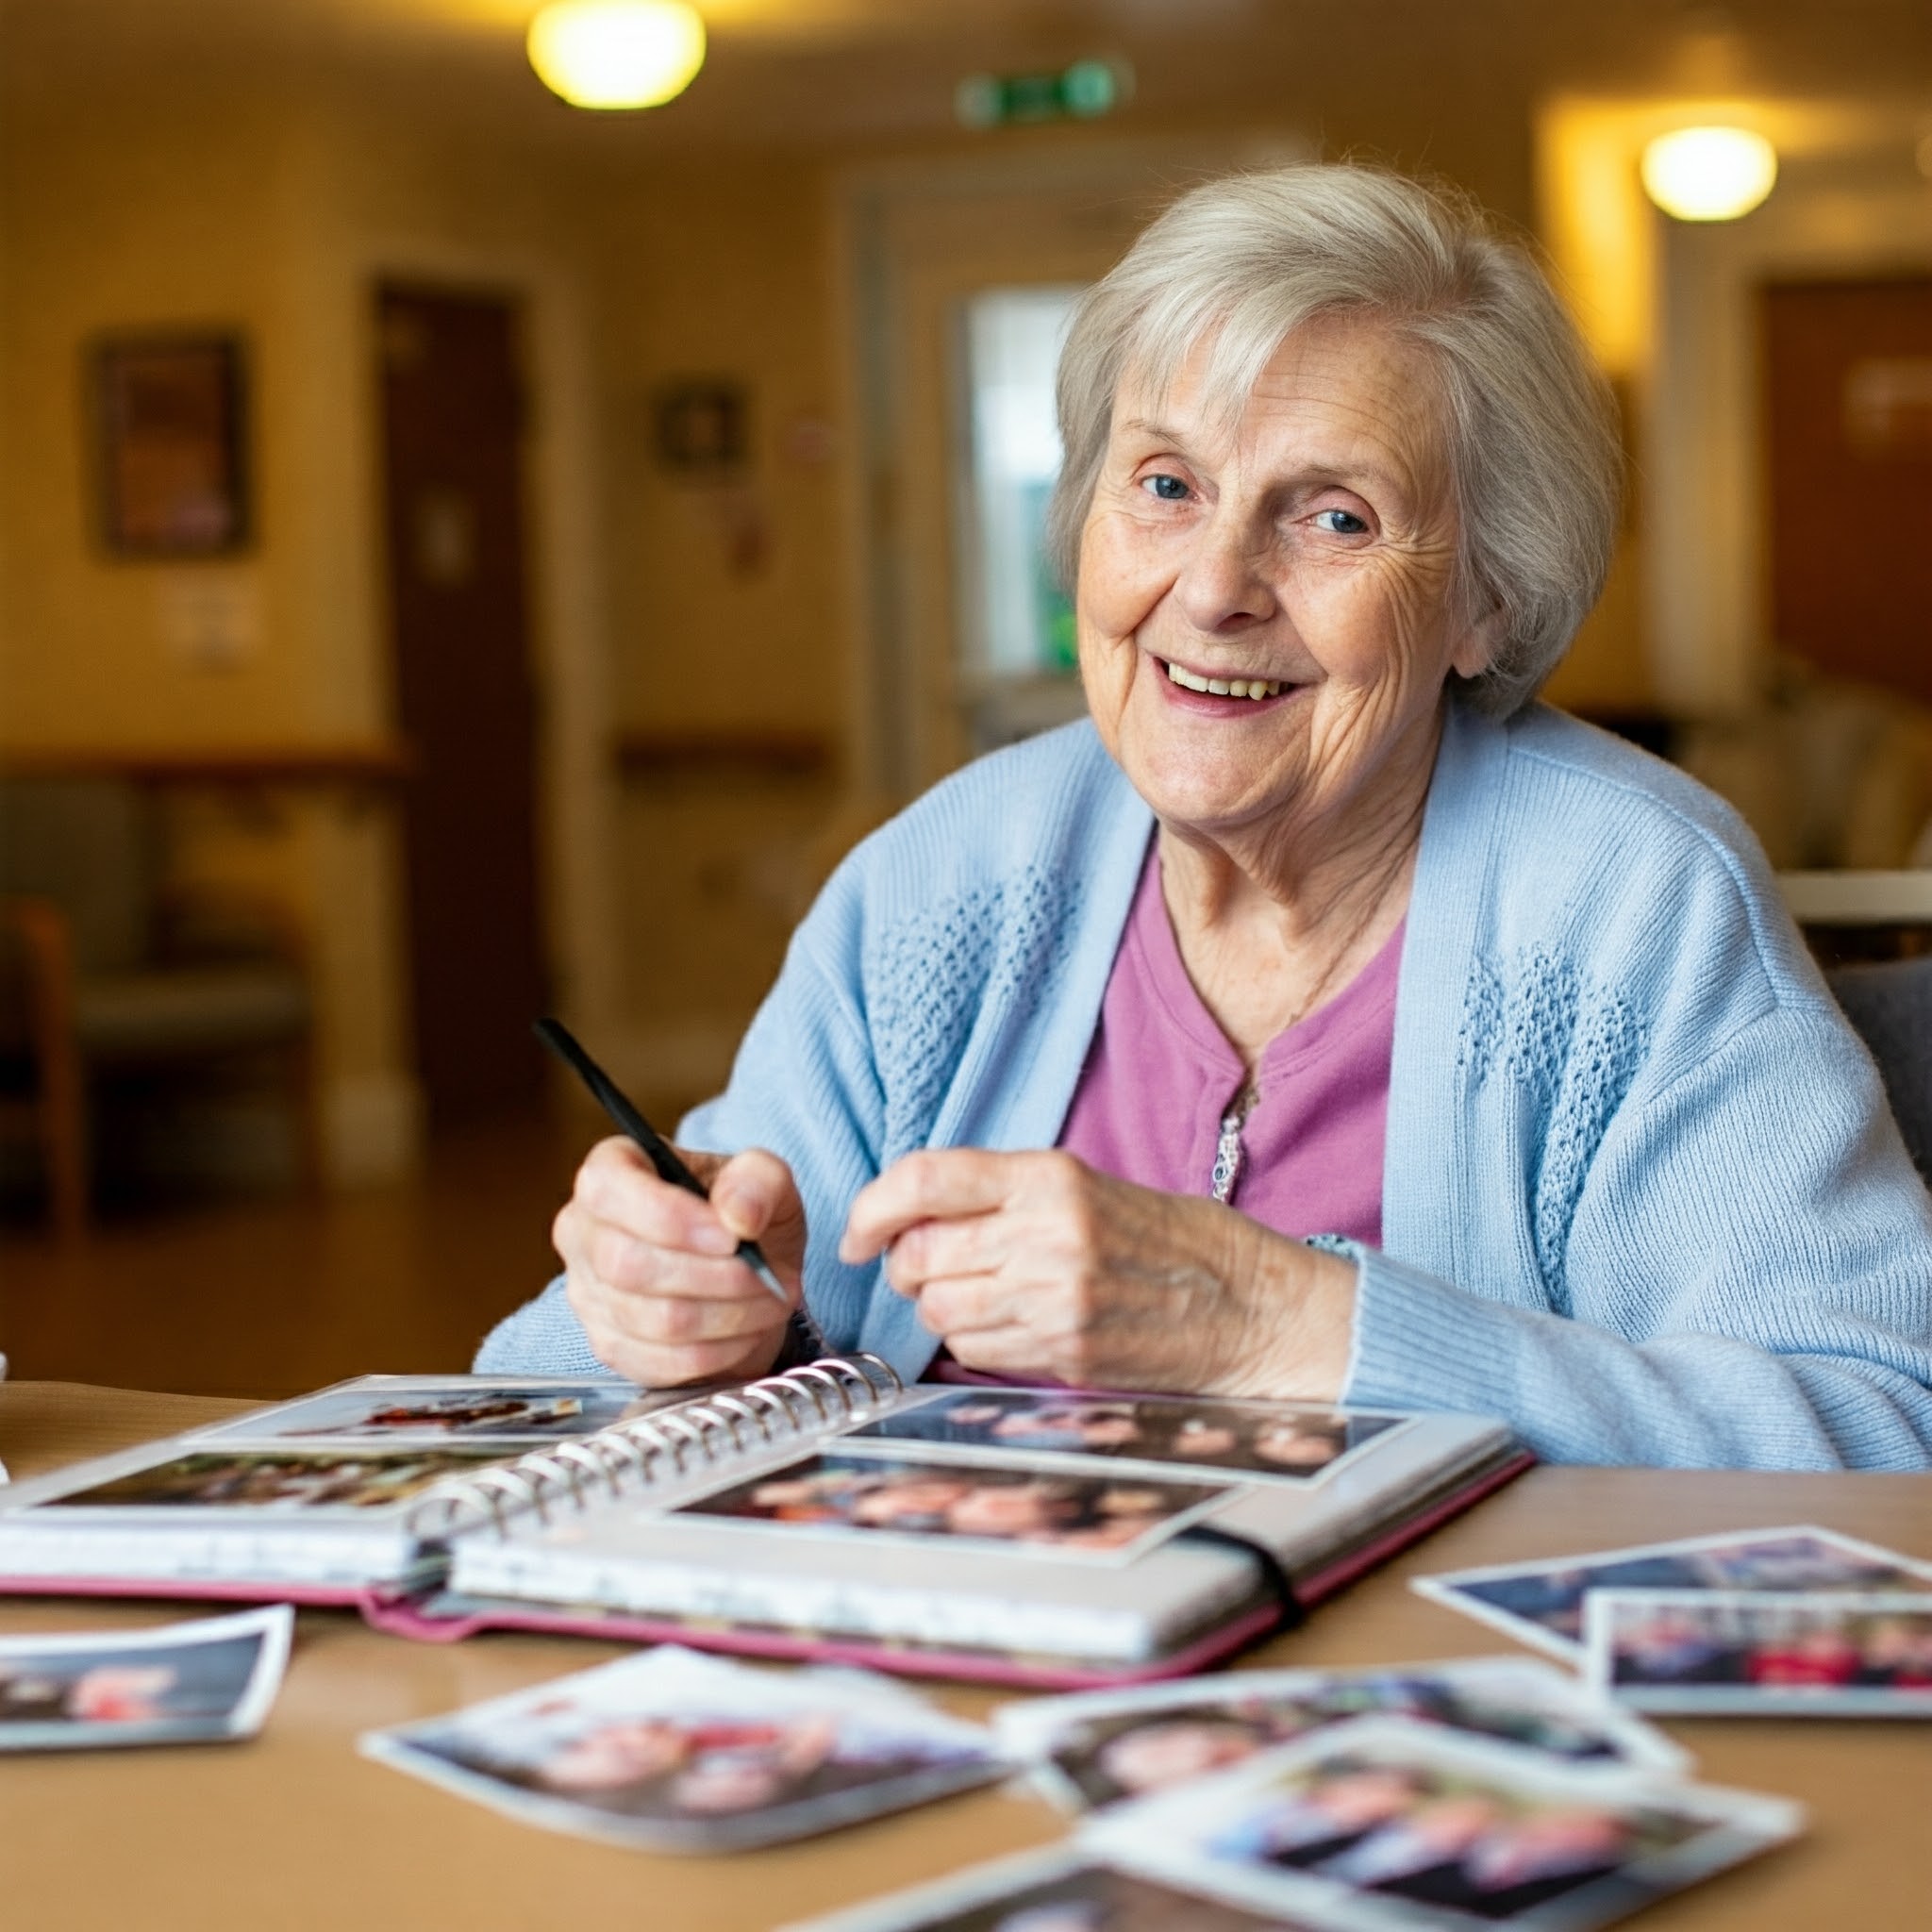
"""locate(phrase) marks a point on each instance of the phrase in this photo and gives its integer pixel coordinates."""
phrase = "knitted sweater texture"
(1641, 1196)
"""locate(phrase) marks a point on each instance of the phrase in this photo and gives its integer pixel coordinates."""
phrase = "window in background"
(1017, 624)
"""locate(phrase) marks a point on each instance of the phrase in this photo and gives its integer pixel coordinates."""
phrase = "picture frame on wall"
(171, 412)
(702, 427)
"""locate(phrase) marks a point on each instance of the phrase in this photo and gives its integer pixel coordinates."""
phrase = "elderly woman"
(1323, 1019)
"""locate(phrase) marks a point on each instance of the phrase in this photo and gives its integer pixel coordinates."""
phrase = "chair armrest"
(46, 938)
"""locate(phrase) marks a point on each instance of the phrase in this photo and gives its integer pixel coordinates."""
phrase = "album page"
(989, 1518)
(312, 1492)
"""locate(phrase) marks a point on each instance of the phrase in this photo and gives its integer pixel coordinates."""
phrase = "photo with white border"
(1224, 1437)
(1385, 1824)
(1058, 1891)
(1761, 1654)
(1018, 1508)
(1540, 1602)
(206, 1681)
(1105, 1747)
(673, 1750)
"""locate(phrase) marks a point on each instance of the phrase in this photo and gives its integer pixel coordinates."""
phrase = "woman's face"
(1307, 549)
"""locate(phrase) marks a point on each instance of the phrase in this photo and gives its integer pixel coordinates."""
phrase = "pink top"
(1160, 1074)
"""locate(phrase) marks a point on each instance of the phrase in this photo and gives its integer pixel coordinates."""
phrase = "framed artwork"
(171, 412)
(703, 425)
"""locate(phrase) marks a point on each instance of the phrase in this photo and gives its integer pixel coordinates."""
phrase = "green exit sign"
(1079, 92)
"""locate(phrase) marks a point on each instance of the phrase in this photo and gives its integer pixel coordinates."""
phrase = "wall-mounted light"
(617, 52)
(1708, 174)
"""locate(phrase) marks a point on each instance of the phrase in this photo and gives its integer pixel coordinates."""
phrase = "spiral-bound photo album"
(1022, 1534)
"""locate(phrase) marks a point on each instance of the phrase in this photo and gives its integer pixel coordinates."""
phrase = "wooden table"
(293, 1831)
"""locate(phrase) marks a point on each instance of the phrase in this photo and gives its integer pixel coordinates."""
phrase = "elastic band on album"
(650, 1449)
(1280, 1586)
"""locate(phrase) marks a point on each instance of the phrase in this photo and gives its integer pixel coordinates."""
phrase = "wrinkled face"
(1302, 559)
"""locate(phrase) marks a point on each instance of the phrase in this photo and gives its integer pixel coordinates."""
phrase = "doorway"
(1848, 416)
(959, 276)
(453, 420)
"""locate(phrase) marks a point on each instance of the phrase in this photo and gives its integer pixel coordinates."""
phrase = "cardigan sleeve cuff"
(541, 1337)
(1420, 1343)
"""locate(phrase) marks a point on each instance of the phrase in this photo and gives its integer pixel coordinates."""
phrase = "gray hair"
(1237, 265)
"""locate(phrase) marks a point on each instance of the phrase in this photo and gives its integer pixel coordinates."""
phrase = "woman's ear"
(1477, 649)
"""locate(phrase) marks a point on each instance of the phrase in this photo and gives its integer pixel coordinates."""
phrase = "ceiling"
(854, 71)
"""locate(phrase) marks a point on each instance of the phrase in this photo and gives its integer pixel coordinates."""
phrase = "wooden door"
(1848, 415)
(452, 421)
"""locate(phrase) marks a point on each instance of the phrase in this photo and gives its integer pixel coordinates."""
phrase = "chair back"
(1891, 1005)
(92, 846)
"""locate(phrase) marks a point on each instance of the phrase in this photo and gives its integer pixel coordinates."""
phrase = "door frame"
(899, 379)
(1707, 580)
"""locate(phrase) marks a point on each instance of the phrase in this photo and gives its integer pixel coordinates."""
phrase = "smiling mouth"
(1225, 687)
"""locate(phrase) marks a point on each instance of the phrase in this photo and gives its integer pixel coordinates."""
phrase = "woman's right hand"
(652, 1270)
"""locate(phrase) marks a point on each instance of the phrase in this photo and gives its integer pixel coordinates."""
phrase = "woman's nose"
(1224, 585)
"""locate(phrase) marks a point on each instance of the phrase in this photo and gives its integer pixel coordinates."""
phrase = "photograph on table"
(1807, 1654)
(1542, 1603)
(1103, 1747)
(1384, 1822)
(452, 1408)
(673, 1750)
(1278, 1440)
(1108, 1518)
(1060, 1890)
(283, 1481)
(198, 1682)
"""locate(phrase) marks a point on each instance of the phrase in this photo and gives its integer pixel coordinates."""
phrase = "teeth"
(1225, 687)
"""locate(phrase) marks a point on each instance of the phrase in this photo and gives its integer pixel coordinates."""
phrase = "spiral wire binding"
(672, 1442)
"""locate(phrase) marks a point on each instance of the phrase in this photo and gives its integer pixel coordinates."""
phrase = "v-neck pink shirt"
(1161, 1073)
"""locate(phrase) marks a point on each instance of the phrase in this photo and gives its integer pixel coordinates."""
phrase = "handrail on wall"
(1857, 898)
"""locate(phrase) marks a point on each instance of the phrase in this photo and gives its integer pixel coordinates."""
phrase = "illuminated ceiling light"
(617, 52)
(1708, 174)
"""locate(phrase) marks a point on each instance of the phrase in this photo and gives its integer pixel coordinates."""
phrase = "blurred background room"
(464, 555)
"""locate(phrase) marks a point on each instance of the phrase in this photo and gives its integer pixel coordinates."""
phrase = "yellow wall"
(271, 213)
(173, 221)
(269, 217)
(724, 271)
(273, 218)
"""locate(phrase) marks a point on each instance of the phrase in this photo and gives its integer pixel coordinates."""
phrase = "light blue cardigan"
(1642, 1196)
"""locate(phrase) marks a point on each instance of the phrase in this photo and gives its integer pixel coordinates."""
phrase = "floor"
(269, 1297)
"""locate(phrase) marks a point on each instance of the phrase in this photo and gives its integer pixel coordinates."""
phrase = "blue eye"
(1167, 489)
(1346, 523)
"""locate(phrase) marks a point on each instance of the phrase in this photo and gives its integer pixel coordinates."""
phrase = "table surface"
(293, 1831)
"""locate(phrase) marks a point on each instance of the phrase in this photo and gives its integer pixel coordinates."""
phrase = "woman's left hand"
(1034, 1265)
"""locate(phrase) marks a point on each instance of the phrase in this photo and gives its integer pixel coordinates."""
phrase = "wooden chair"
(1873, 930)
(102, 968)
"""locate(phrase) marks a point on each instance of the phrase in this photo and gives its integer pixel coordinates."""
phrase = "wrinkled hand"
(1032, 1264)
(652, 1272)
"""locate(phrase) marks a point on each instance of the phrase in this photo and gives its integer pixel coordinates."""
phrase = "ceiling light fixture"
(615, 54)
(1708, 174)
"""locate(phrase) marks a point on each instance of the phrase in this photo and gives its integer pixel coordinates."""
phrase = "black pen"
(657, 1150)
